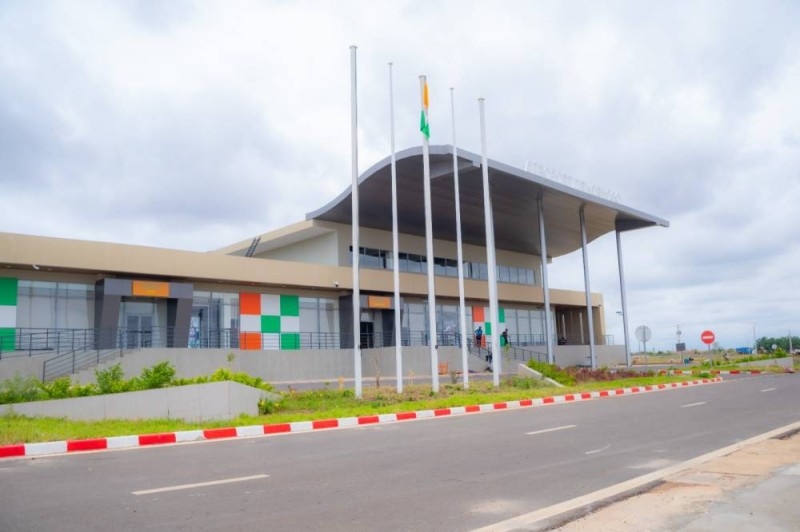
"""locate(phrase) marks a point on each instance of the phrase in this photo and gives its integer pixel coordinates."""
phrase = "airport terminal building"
(290, 290)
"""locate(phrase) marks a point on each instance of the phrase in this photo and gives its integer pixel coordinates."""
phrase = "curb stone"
(145, 440)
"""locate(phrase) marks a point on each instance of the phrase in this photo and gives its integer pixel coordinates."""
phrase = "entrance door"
(137, 325)
(367, 335)
(138, 331)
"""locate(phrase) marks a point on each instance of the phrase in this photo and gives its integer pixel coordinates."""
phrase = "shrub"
(111, 380)
(551, 371)
(19, 390)
(225, 374)
(267, 406)
(158, 376)
(60, 388)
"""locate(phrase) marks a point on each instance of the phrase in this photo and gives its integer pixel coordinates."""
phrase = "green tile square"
(487, 328)
(8, 291)
(502, 313)
(290, 305)
(270, 324)
(290, 340)
(7, 339)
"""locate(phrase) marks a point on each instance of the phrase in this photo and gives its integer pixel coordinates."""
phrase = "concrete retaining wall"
(578, 355)
(289, 366)
(196, 402)
(285, 366)
(23, 367)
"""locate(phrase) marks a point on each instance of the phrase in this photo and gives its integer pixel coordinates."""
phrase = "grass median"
(326, 403)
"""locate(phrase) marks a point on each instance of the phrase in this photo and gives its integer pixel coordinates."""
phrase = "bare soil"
(690, 493)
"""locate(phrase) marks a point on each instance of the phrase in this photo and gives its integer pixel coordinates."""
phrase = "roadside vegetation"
(112, 380)
(331, 401)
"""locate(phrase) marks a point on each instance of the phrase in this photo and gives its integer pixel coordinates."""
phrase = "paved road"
(443, 474)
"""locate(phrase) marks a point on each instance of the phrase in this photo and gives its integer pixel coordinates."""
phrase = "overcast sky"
(193, 125)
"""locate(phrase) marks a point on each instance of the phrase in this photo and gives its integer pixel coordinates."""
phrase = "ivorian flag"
(424, 125)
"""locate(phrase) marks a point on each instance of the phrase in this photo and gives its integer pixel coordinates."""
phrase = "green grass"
(313, 405)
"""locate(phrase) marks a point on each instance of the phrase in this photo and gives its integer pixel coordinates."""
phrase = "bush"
(60, 388)
(267, 406)
(158, 376)
(551, 371)
(111, 380)
(19, 390)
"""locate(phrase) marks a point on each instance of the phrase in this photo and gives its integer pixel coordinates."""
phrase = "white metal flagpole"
(398, 349)
(426, 168)
(354, 207)
(459, 251)
(490, 254)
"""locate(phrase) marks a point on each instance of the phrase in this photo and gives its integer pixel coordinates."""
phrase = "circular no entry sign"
(707, 337)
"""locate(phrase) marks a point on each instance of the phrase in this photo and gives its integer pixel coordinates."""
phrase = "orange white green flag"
(424, 125)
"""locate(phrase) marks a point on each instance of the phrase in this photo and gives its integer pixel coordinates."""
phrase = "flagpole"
(459, 251)
(426, 167)
(490, 254)
(398, 350)
(356, 255)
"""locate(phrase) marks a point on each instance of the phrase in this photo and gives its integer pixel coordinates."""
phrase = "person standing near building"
(504, 338)
(478, 336)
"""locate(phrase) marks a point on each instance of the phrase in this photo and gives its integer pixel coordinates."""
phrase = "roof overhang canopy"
(514, 197)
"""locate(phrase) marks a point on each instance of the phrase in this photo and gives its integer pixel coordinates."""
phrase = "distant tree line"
(765, 344)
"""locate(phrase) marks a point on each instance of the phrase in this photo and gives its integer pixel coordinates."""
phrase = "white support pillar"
(624, 299)
(589, 319)
(548, 334)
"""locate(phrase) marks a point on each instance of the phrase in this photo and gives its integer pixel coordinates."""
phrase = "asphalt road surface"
(454, 473)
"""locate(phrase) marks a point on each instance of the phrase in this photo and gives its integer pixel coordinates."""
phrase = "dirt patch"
(685, 495)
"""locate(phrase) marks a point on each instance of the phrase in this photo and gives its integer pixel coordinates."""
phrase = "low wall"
(786, 362)
(286, 366)
(578, 355)
(195, 402)
(23, 367)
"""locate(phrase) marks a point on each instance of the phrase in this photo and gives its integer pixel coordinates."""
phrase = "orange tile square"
(250, 304)
(250, 341)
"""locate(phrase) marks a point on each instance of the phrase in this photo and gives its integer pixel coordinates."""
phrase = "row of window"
(380, 259)
(53, 305)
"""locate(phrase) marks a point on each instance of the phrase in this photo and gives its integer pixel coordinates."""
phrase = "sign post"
(643, 334)
(708, 338)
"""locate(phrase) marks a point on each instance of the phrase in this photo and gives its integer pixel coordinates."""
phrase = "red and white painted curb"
(127, 442)
(718, 372)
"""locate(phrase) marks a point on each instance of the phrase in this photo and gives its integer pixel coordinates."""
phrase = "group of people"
(479, 337)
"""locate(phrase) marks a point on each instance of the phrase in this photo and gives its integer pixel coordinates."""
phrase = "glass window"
(529, 279)
(309, 315)
(52, 305)
(483, 272)
(511, 321)
(451, 268)
(414, 263)
(329, 315)
(439, 266)
(503, 274)
(404, 267)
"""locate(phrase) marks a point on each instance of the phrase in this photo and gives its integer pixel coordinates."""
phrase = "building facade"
(291, 289)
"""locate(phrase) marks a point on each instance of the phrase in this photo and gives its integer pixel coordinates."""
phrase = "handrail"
(75, 349)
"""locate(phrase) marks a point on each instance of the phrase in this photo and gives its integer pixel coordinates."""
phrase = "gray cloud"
(193, 125)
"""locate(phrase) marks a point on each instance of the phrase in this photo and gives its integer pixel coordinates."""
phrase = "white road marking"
(542, 516)
(768, 389)
(198, 485)
(694, 404)
(598, 450)
(550, 430)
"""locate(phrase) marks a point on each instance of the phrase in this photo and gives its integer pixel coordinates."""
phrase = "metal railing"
(76, 349)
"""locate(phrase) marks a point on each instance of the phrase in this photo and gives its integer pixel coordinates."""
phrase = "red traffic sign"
(707, 337)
